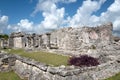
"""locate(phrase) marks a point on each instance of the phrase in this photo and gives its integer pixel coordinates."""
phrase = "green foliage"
(44, 57)
(5, 36)
(115, 77)
(9, 76)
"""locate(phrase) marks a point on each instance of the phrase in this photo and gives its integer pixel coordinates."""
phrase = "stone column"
(26, 42)
(11, 42)
(48, 40)
(1, 43)
(31, 41)
(36, 41)
(40, 41)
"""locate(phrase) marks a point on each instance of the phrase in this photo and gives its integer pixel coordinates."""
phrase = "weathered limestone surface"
(72, 39)
(79, 38)
(16, 40)
(3, 43)
(33, 70)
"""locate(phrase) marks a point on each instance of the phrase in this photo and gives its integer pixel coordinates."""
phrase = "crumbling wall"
(45, 41)
(10, 42)
(74, 39)
(33, 70)
(3, 43)
(18, 42)
(79, 38)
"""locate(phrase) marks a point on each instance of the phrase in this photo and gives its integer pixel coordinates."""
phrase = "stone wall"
(3, 43)
(18, 42)
(11, 42)
(73, 39)
(79, 38)
(33, 70)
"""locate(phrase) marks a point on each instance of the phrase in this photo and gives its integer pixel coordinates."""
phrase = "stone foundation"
(33, 70)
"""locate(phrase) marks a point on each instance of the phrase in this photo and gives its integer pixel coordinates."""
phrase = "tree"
(4, 36)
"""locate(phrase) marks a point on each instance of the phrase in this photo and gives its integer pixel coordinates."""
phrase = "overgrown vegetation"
(115, 77)
(83, 60)
(9, 76)
(44, 57)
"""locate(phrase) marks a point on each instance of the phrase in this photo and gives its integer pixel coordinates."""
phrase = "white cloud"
(53, 19)
(65, 1)
(3, 22)
(115, 6)
(53, 16)
(46, 5)
(23, 25)
(84, 15)
(116, 24)
(112, 15)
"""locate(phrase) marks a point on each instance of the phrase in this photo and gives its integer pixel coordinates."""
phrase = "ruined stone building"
(65, 38)
(97, 42)
(3, 43)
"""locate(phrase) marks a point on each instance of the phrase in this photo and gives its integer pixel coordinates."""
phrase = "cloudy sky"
(44, 15)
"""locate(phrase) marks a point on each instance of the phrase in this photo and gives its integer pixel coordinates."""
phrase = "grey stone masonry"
(33, 70)
(78, 38)
(73, 39)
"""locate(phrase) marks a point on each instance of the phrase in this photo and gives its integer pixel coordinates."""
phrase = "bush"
(83, 60)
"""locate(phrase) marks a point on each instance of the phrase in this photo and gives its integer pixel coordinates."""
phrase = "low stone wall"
(33, 70)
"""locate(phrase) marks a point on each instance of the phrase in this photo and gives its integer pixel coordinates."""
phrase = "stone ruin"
(94, 41)
(68, 41)
(71, 39)
(23, 40)
(3, 43)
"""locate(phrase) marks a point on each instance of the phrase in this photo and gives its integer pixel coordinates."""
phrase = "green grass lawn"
(9, 76)
(44, 57)
(115, 77)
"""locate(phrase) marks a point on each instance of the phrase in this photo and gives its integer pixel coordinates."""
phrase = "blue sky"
(43, 15)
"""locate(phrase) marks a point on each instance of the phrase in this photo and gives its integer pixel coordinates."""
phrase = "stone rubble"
(33, 70)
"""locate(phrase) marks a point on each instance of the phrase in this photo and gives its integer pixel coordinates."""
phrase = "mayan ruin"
(97, 42)
(59, 39)
(65, 39)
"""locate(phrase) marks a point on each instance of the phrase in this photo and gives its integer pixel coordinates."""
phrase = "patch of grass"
(115, 77)
(9, 76)
(44, 57)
